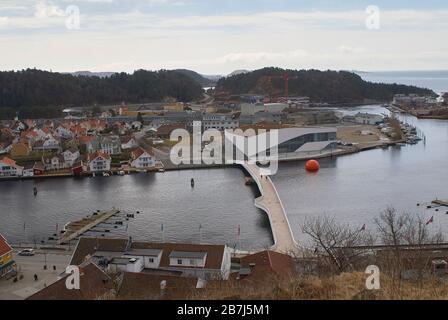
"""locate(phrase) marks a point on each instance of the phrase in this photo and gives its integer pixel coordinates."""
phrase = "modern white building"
(290, 141)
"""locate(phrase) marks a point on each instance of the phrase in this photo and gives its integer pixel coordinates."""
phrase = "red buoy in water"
(312, 166)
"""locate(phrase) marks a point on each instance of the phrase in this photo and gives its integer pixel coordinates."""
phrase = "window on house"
(151, 260)
(179, 261)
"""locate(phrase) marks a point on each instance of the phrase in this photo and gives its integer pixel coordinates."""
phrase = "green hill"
(320, 86)
(35, 93)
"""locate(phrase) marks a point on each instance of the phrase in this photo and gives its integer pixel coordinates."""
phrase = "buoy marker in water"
(312, 166)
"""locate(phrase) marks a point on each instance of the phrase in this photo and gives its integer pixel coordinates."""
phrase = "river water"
(210, 212)
(356, 188)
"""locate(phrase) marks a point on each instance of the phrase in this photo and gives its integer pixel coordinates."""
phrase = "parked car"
(26, 252)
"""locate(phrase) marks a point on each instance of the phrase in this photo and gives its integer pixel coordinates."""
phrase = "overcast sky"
(219, 36)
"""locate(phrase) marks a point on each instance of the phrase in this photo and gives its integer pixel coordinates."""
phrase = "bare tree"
(405, 236)
(336, 243)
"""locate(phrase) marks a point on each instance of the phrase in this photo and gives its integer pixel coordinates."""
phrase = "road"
(28, 267)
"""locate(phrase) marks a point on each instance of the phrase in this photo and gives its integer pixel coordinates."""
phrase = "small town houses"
(6, 260)
(72, 147)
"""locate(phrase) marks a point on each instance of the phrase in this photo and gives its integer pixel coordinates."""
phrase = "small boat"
(35, 191)
(248, 181)
(192, 182)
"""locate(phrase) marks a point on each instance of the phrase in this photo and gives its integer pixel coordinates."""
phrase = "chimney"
(129, 244)
(162, 288)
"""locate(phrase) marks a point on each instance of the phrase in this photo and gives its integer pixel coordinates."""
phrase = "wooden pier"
(75, 229)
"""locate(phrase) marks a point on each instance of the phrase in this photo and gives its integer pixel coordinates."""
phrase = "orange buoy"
(312, 165)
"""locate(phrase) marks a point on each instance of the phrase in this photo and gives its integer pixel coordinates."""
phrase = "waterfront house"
(28, 171)
(78, 168)
(38, 168)
(98, 161)
(187, 260)
(19, 149)
(54, 162)
(71, 155)
(9, 168)
(142, 158)
(6, 260)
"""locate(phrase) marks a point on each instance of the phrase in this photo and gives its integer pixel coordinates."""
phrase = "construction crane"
(286, 77)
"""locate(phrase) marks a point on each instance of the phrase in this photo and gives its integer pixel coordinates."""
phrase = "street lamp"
(45, 265)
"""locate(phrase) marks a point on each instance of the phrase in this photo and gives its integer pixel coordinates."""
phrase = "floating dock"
(442, 203)
(75, 229)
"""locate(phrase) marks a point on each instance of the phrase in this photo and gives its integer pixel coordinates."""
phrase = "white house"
(99, 161)
(142, 159)
(54, 162)
(28, 171)
(71, 155)
(9, 168)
